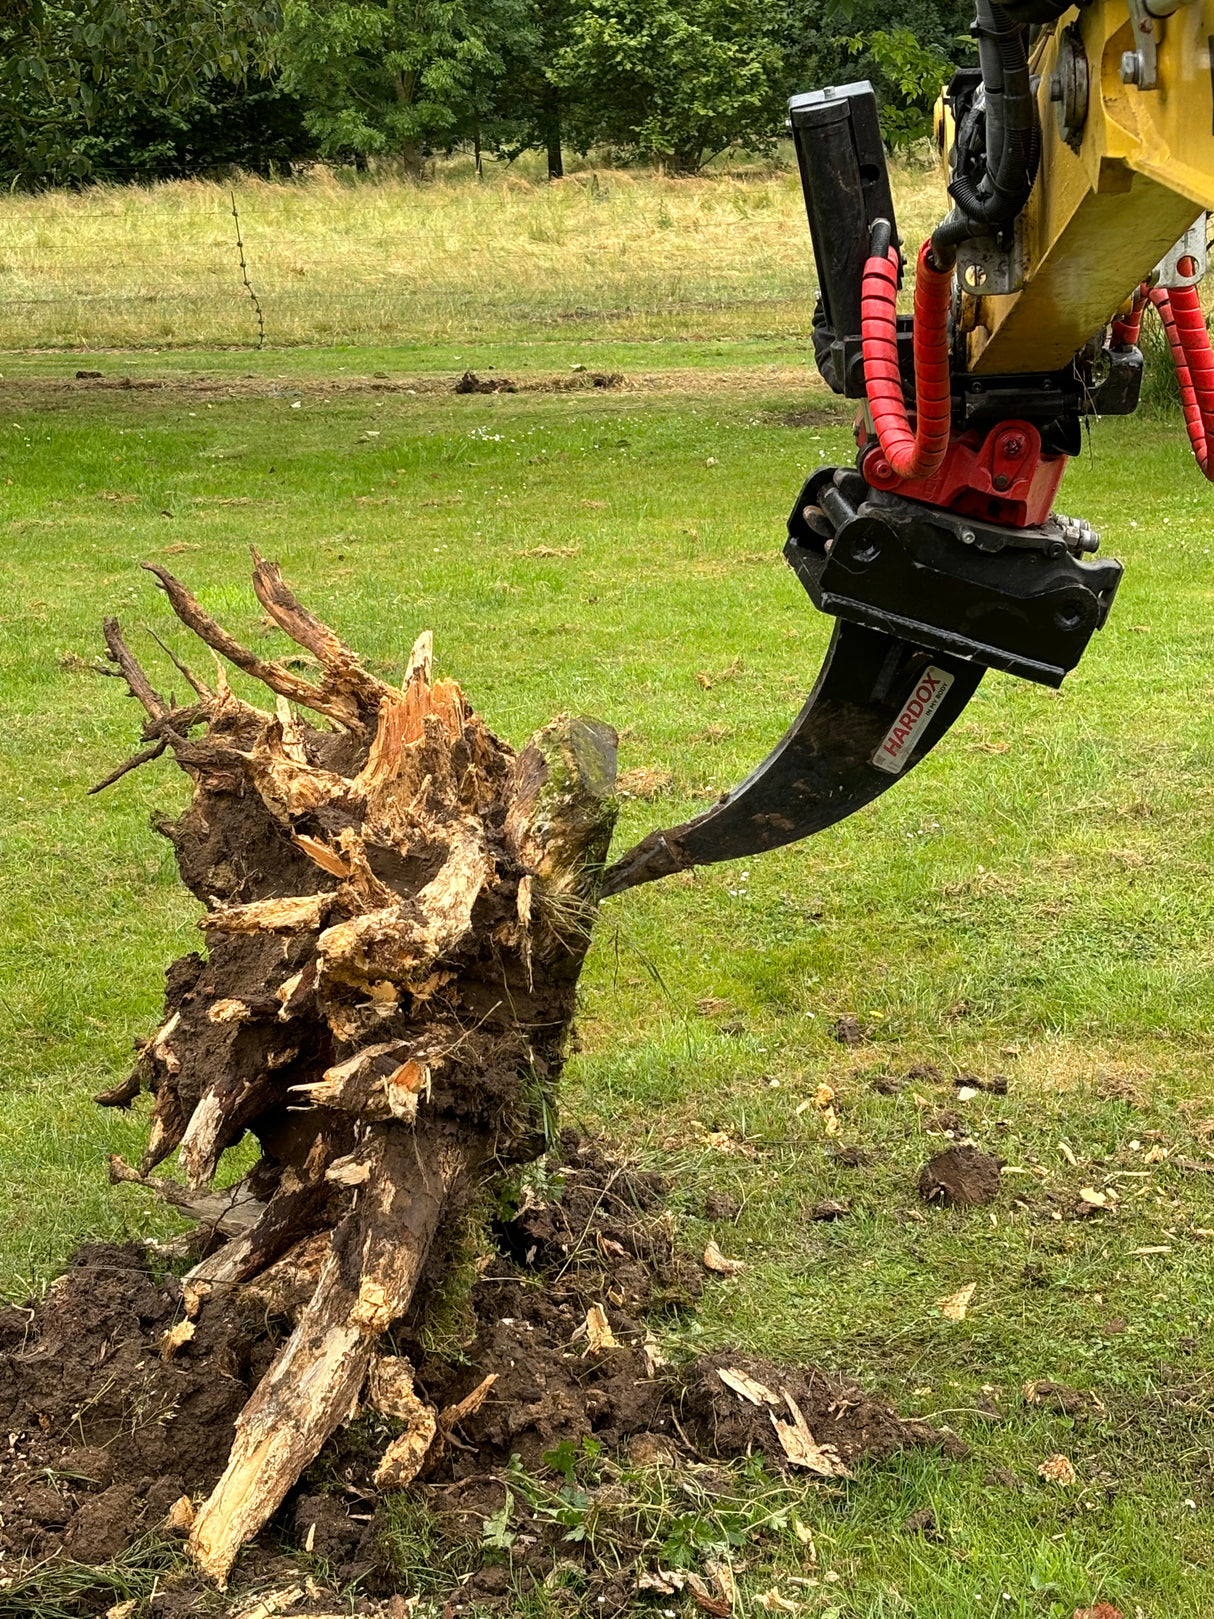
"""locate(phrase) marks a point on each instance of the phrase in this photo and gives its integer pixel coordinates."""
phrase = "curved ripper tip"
(880, 705)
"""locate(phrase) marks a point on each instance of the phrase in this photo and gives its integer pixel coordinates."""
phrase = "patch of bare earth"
(683, 380)
(116, 1421)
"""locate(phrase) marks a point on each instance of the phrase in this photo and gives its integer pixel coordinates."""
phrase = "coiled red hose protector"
(920, 453)
(1184, 324)
(1127, 328)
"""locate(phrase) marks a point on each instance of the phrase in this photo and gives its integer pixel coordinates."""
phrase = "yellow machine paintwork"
(1100, 219)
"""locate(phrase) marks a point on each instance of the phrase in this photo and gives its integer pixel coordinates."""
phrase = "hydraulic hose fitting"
(989, 200)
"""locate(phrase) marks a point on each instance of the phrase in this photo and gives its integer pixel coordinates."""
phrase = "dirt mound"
(105, 1434)
(115, 1412)
(841, 1417)
(960, 1177)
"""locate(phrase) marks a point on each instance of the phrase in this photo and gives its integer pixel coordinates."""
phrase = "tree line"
(131, 90)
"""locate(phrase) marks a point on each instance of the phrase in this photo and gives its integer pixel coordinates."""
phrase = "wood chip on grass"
(715, 1261)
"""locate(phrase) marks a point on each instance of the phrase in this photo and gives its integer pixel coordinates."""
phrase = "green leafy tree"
(65, 63)
(395, 78)
(834, 41)
(528, 104)
(252, 125)
(912, 75)
(673, 81)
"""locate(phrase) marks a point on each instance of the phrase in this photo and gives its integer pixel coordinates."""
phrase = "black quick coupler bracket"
(1023, 600)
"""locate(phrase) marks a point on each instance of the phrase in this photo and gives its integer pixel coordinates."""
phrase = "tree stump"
(397, 910)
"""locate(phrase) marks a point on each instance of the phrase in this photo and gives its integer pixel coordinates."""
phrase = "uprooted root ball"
(397, 910)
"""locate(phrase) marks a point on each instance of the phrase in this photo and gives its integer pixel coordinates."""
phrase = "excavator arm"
(1079, 162)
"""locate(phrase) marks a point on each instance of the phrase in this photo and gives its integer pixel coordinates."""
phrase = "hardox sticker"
(894, 752)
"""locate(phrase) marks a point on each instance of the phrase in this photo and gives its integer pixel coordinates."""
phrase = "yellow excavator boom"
(1125, 171)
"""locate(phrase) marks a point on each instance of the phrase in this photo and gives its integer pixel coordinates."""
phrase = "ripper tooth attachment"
(938, 560)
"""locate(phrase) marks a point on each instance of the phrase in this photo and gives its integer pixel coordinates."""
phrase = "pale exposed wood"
(290, 1209)
(421, 659)
(402, 1461)
(324, 857)
(285, 1287)
(390, 1391)
(452, 1415)
(315, 1380)
(294, 915)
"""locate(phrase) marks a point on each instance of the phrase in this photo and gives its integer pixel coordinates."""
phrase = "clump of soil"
(109, 1427)
(961, 1177)
(852, 1157)
(924, 1073)
(104, 1434)
(840, 1415)
(1063, 1399)
(470, 383)
(849, 1031)
(948, 1123)
(996, 1085)
(720, 1206)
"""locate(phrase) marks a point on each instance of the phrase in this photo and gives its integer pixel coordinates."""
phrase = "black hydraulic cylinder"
(843, 173)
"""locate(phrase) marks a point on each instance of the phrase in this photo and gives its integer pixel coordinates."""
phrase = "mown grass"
(612, 254)
(1033, 901)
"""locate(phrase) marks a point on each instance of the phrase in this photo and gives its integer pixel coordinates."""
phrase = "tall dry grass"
(605, 254)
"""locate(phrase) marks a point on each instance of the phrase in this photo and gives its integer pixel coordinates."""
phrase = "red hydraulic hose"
(1184, 323)
(1126, 328)
(920, 453)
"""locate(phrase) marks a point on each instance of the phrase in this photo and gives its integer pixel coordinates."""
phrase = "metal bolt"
(1131, 67)
(967, 536)
(1012, 445)
(1001, 480)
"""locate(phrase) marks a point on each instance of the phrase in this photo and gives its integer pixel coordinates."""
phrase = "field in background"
(1034, 901)
(609, 254)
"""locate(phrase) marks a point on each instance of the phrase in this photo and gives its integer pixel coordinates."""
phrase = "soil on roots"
(109, 1427)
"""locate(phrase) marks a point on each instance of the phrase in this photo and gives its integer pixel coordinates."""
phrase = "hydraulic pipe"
(1012, 135)
(920, 453)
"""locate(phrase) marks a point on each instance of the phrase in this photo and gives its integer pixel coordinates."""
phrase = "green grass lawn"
(1033, 902)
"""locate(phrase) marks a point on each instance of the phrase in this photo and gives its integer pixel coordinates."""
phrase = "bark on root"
(397, 909)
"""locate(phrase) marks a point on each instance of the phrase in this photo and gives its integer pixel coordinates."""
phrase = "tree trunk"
(552, 136)
(397, 910)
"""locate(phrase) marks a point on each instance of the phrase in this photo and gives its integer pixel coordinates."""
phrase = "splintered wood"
(397, 909)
